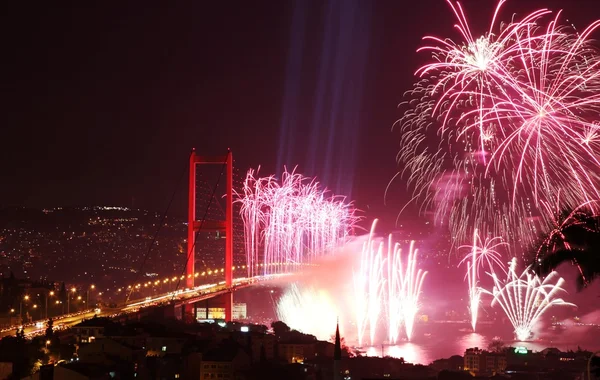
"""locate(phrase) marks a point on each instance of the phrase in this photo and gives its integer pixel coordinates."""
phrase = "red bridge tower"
(225, 226)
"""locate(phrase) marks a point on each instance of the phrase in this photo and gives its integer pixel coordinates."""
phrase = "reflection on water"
(411, 352)
(473, 340)
(427, 350)
(448, 341)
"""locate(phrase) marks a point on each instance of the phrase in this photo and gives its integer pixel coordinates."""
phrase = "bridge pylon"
(226, 226)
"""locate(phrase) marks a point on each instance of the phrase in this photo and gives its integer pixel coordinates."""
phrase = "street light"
(26, 298)
(50, 293)
(87, 294)
(69, 301)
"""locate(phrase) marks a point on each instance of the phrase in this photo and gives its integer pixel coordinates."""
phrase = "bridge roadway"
(180, 297)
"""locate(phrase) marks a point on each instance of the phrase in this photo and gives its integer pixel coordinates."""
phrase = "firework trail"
(292, 222)
(412, 280)
(481, 253)
(498, 124)
(368, 284)
(526, 298)
(404, 282)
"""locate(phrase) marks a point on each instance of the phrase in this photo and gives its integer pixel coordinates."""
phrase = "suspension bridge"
(183, 293)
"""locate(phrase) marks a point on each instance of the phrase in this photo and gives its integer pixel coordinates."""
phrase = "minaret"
(337, 353)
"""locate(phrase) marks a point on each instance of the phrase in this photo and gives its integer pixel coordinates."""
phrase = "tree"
(24, 354)
(280, 328)
(49, 329)
(261, 329)
(496, 345)
(576, 241)
(346, 351)
(342, 340)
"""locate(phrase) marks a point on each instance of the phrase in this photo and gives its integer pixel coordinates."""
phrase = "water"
(436, 341)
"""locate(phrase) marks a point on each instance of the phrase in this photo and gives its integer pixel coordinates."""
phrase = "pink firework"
(368, 284)
(292, 222)
(382, 278)
(525, 298)
(482, 252)
(502, 122)
(475, 70)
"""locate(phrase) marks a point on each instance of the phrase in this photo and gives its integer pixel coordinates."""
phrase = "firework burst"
(525, 298)
(499, 123)
(292, 222)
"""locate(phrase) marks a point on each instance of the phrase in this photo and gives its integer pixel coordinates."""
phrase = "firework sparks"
(291, 222)
(481, 253)
(525, 298)
(368, 288)
(385, 290)
(500, 123)
(404, 282)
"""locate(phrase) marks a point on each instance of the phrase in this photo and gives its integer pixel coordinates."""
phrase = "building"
(473, 360)
(295, 352)
(212, 314)
(165, 345)
(257, 344)
(92, 329)
(239, 311)
(105, 351)
(495, 362)
(226, 362)
(337, 354)
(479, 361)
(73, 371)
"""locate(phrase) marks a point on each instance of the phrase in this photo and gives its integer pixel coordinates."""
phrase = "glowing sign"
(521, 350)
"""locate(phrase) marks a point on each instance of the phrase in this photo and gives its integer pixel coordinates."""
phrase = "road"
(39, 327)
(180, 296)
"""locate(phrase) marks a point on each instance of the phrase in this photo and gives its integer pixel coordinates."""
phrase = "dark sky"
(102, 103)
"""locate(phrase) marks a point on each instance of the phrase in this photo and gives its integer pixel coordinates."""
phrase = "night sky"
(102, 103)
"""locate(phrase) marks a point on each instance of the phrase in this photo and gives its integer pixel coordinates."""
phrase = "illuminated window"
(164, 348)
